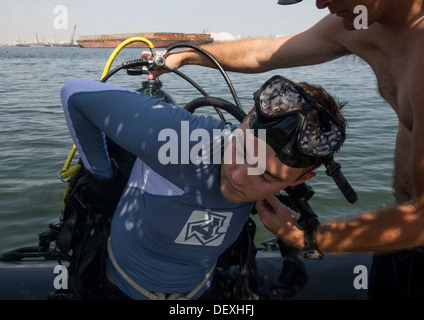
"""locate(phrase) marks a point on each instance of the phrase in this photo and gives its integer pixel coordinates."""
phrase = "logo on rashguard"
(205, 228)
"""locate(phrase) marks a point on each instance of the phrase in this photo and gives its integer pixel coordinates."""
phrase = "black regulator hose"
(223, 104)
(125, 65)
(199, 88)
(218, 66)
(189, 80)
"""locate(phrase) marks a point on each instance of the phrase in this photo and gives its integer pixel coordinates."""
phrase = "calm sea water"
(34, 140)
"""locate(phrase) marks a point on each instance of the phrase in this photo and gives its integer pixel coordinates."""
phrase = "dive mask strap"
(333, 170)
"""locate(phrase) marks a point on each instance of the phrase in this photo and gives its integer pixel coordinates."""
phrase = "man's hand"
(278, 219)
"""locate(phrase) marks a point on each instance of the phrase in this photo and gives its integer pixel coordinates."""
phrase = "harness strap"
(155, 295)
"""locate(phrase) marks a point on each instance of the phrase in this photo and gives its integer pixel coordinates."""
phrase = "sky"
(54, 20)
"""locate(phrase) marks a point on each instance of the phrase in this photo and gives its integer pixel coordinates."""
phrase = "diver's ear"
(305, 177)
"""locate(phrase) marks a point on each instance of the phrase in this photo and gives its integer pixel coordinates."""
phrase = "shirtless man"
(393, 46)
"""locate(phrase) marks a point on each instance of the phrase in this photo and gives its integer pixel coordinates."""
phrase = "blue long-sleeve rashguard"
(172, 222)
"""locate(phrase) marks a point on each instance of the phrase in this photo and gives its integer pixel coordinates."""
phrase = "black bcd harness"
(89, 206)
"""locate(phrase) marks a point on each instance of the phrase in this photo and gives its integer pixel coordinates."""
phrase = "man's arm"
(387, 229)
(315, 45)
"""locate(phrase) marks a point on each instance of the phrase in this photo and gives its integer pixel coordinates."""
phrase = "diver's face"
(345, 10)
(240, 185)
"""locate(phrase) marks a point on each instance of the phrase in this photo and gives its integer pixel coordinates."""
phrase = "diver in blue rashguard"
(189, 195)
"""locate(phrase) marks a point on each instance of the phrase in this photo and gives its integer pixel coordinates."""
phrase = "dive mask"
(300, 131)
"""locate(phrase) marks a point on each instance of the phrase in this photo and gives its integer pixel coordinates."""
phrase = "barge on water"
(158, 39)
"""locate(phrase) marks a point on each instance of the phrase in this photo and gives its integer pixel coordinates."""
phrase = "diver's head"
(303, 126)
(300, 134)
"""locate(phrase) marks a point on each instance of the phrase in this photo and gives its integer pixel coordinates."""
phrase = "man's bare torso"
(393, 53)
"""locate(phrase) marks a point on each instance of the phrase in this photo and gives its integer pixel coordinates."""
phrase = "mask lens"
(320, 135)
(279, 96)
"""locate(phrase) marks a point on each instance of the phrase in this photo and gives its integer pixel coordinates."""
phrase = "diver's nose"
(239, 174)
